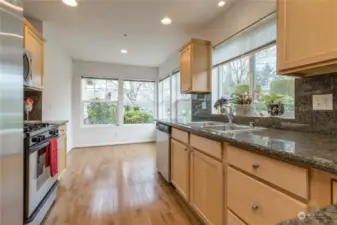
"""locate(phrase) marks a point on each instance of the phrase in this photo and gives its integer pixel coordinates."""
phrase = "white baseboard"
(113, 143)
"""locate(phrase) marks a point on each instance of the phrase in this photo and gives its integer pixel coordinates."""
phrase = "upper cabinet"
(33, 41)
(306, 37)
(196, 67)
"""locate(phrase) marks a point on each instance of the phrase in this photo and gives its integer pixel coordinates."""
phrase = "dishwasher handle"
(164, 128)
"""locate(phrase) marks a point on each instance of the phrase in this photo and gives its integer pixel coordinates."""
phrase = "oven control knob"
(42, 138)
(52, 132)
(35, 139)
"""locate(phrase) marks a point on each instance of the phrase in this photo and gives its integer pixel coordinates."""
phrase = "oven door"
(27, 68)
(39, 180)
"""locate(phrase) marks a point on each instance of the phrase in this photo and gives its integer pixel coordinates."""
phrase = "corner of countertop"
(56, 122)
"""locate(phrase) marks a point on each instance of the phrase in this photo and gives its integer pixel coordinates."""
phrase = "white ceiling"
(94, 31)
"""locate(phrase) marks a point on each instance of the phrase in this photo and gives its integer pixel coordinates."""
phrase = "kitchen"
(242, 110)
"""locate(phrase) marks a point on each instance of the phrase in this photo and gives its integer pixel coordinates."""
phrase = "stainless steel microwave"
(27, 68)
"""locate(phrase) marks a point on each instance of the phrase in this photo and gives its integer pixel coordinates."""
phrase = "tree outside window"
(99, 101)
(138, 102)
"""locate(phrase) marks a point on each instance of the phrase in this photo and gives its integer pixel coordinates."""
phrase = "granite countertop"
(56, 122)
(324, 216)
(305, 149)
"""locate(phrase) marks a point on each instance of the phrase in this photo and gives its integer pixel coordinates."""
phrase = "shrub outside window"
(138, 101)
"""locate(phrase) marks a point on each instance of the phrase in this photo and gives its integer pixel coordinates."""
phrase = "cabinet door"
(35, 45)
(306, 33)
(62, 164)
(185, 68)
(207, 188)
(180, 168)
(334, 192)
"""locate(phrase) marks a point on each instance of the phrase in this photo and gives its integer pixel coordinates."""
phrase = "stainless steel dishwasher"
(163, 156)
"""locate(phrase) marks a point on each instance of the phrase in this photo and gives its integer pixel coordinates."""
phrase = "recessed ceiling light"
(221, 3)
(124, 51)
(166, 21)
(71, 3)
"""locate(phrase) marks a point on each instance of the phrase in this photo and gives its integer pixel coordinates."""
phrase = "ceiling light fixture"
(166, 21)
(221, 3)
(71, 3)
(124, 51)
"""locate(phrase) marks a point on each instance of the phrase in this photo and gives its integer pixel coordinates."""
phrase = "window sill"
(99, 125)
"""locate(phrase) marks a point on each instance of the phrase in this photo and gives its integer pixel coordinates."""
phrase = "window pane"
(166, 98)
(215, 87)
(234, 77)
(267, 82)
(160, 100)
(183, 103)
(112, 90)
(100, 101)
(138, 102)
(100, 113)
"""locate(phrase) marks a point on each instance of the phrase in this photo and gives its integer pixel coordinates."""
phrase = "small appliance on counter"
(41, 180)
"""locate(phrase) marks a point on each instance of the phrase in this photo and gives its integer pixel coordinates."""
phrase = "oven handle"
(38, 147)
(41, 145)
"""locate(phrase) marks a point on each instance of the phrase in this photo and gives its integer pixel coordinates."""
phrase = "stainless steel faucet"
(228, 110)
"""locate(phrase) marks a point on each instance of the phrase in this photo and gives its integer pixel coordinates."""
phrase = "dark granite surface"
(324, 122)
(56, 122)
(324, 216)
(305, 149)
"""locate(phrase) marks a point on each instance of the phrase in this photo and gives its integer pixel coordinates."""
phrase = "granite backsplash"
(306, 119)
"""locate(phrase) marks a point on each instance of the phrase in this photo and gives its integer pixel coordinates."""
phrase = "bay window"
(246, 63)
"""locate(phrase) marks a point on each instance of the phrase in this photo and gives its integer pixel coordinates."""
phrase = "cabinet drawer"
(180, 135)
(210, 147)
(257, 203)
(63, 130)
(284, 175)
(233, 220)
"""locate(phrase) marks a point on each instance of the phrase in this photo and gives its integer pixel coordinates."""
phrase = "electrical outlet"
(322, 102)
(203, 105)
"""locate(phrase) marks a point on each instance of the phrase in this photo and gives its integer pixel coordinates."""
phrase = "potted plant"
(274, 103)
(220, 104)
(241, 103)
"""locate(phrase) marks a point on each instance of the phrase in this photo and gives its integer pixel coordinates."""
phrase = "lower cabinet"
(62, 150)
(233, 220)
(180, 167)
(206, 190)
(257, 203)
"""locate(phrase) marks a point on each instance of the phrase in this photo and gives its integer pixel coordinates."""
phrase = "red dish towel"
(53, 156)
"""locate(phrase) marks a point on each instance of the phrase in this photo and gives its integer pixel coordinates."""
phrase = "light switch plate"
(322, 102)
(203, 105)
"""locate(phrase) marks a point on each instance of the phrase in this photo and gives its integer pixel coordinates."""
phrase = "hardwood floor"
(116, 185)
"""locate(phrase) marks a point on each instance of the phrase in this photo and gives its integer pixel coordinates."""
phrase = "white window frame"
(120, 101)
(154, 101)
(98, 101)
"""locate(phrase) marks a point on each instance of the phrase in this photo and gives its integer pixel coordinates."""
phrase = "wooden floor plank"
(116, 185)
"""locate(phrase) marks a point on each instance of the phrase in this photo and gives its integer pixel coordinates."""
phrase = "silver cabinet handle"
(255, 206)
(255, 165)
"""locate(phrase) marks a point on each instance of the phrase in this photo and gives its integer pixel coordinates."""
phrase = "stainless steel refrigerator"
(11, 113)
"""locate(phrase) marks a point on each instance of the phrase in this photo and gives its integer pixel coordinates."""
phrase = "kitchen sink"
(227, 127)
(202, 124)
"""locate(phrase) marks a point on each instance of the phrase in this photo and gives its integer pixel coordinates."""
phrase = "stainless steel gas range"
(40, 187)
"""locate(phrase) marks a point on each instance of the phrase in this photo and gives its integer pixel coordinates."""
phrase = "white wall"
(238, 16)
(57, 100)
(108, 134)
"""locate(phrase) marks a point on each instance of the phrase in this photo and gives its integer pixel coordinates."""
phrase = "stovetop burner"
(30, 127)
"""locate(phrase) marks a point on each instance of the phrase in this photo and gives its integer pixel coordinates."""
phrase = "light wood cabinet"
(196, 67)
(206, 195)
(269, 169)
(34, 43)
(257, 203)
(180, 167)
(306, 37)
(233, 220)
(62, 145)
